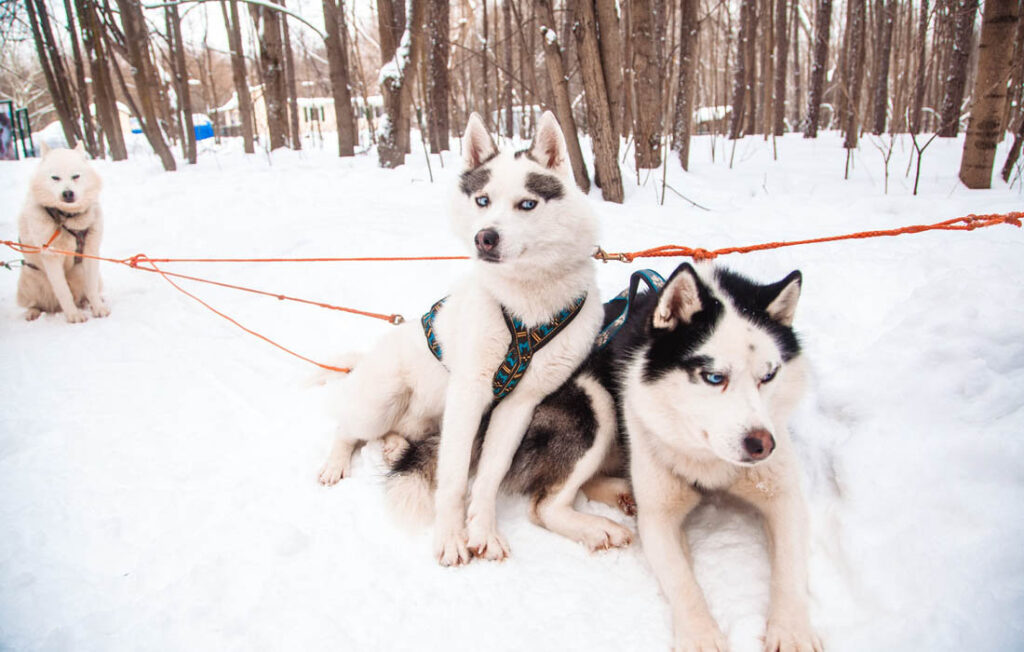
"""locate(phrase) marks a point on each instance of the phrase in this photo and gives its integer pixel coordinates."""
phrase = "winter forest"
(638, 78)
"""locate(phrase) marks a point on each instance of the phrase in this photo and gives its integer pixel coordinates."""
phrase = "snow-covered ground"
(157, 468)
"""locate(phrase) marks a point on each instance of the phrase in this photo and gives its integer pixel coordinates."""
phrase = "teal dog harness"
(523, 344)
(654, 282)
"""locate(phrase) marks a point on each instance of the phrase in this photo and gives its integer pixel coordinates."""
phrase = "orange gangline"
(145, 263)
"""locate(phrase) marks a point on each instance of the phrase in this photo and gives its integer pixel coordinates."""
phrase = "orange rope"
(967, 223)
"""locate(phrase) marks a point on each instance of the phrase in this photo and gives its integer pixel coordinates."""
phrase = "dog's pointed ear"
(548, 147)
(477, 145)
(785, 294)
(679, 300)
(44, 149)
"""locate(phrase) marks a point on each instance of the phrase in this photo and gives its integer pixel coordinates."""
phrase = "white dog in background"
(62, 212)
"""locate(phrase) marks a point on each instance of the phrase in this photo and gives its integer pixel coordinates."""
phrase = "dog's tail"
(412, 480)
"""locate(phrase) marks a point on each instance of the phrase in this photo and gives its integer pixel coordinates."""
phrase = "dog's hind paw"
(791, 637)
(606, 535)
(394, 447)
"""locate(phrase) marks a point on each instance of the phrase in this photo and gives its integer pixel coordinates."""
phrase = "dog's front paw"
(705, 639)
(488, 543)
(791, 635)
(99, 309)
(76, 316)
(332, 471)
(32, 314)
(450, 548)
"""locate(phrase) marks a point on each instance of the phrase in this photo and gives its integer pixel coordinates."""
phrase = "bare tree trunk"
(437, 77)
(689, 31)
(781, 59)
(181, 82)
(822, 29)
(94, 148)
(1014, 154)
(612, 63)
(740, 76)
(920, 76)
(956, 74)
(606, 141)
(272, 63)
(337, 60)
(396, 80)
(855, 68)
(628, 75)
(136, 39)
(231, 21)
(483, 62)
(506, 15)
(886, 19)
(751, 69)
(765, 83)
(290, 86)
(984, 130)
(648, 83)
(560, 89)
(797, 103)
(103, 88)
(53, 70)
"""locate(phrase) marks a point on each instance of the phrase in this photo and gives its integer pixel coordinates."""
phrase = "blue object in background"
(203, 130)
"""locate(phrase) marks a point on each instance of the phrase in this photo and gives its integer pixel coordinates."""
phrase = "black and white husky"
(510, 333)
(700, 380)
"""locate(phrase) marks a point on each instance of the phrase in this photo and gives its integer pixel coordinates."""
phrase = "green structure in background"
(14, 128)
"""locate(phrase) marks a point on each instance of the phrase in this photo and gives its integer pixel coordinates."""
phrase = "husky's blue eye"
(527, 205)
(767, 378)
(713, 378)
(483, 201)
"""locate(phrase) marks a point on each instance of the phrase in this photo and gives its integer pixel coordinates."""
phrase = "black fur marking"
(562, 431)
(672, 349)
(752, 300)
(545, 186)
(473, 181)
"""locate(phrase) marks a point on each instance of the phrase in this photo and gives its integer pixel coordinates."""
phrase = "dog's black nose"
(486, 240)
(759, 443)
(68, 196)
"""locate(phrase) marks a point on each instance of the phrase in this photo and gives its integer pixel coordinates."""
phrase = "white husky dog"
(63, 210)
(704, 375)
(524, 317)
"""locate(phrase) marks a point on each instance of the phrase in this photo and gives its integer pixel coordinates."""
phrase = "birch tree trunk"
(984, 129)
(781, 59)
(560, 89)
(238, 75)
(103, 87)
(689, 31)
(921, 70)
(136, 39)
(886, 20)
(822, 29)
(181, 82)
(956, 73)
(275, 95)
(647, 86)
(337, 60)
(605, 139)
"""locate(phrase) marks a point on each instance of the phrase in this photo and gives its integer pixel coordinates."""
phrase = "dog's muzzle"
(758, 444)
